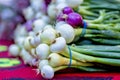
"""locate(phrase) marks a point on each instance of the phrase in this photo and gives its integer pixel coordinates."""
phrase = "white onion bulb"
(36, 40)
(74, 3)
(27, 58)
(48, 26)
(59, 24)
(60, 1)
(14, 50)
(19, 41)
(38, 25)
(52, 11)
(66, 31)
(42, 51)
(27, 44)
(42, 63)
(36, 4)
(31, 33)
(48, 35)
(60, 7)
(38, 15)
(45, 18)
(58, 46)
(28, 13)
(20, 31)
(47, 72)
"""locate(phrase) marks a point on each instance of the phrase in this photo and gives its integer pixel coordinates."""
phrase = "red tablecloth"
(25, 72)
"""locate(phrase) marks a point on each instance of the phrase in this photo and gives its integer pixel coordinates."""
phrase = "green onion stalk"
(101, 48)
(93, 6)
(84, 55)
(106, 21)
(92, 52)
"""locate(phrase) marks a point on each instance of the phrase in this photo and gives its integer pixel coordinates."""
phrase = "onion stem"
(96, 53)
(86, 58)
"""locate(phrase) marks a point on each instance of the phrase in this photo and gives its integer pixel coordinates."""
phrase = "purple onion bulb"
(67, 10)
(74, 19)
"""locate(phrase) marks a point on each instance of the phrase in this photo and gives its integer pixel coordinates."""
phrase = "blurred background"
(10, 15)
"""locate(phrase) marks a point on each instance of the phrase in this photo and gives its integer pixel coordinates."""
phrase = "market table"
(25, 72)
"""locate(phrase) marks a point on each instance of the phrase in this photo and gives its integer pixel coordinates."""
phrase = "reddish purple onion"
(74, 19)
(67, 10)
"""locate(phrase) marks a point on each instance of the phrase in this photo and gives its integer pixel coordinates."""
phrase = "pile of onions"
(39, 42)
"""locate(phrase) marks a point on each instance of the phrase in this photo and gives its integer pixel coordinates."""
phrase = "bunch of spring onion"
(108, 20)
(48, 50)
(104, 29)
(46, 46)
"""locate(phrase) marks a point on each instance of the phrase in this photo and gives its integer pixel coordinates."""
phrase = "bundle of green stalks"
(103, 58)
(103, 20)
